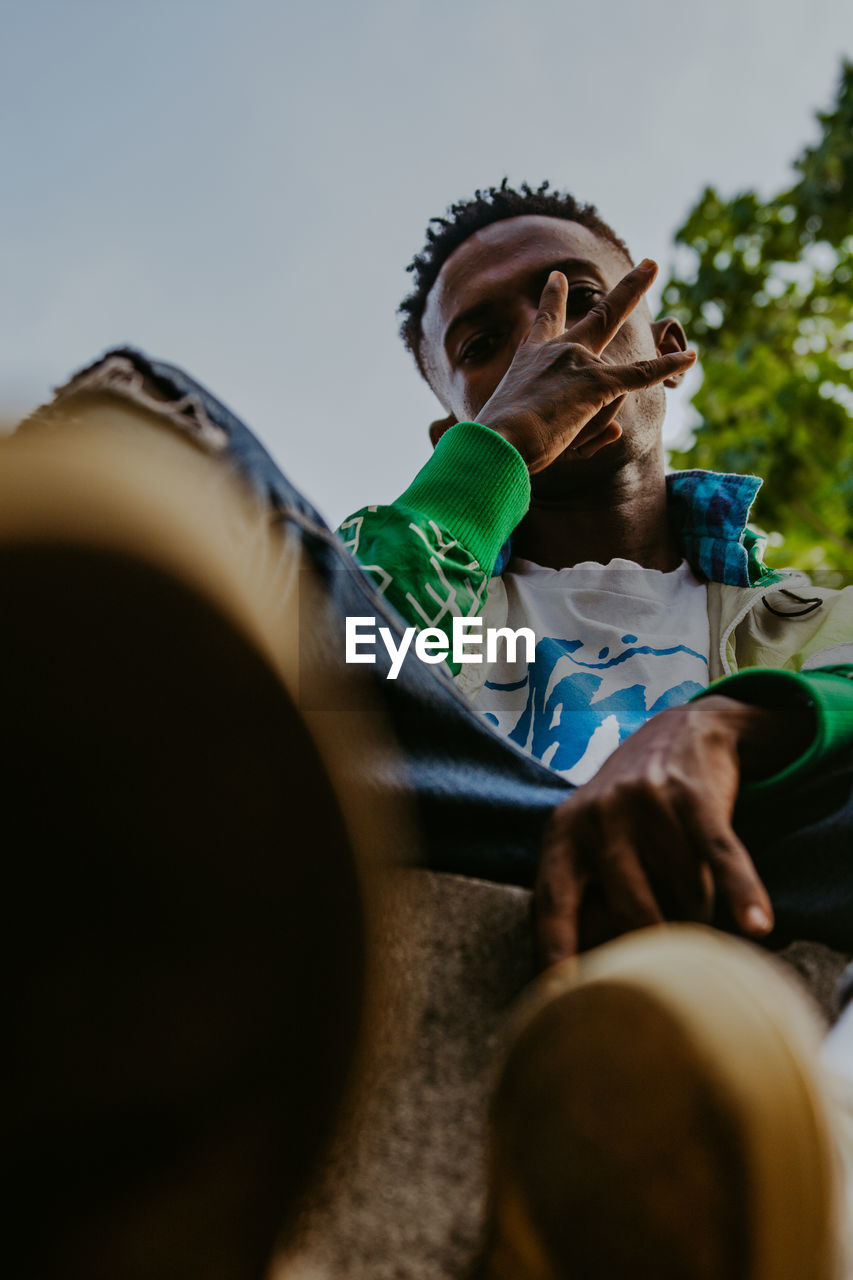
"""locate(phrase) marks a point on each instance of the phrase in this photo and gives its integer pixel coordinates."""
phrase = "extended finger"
(645, 373)
(557, 896)
(550, 319)
(605, 318)
(734, 871)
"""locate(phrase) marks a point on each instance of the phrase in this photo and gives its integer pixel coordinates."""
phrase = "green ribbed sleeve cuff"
(828, 691)
(476, 483)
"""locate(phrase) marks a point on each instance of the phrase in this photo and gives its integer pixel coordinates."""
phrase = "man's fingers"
(626, 887)
(734, 872)
(645, 373)
(605, 319)
(589, 440)
(551, 317)
(609, 435)
(693, 889)
(557, 897)
(682, 880)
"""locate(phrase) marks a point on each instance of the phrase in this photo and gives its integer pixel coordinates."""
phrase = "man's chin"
(570, 472)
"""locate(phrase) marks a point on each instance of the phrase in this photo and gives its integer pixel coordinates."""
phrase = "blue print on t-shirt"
(568, 717)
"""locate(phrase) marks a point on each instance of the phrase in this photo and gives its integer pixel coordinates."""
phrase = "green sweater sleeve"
(431, 553)
(827, 691)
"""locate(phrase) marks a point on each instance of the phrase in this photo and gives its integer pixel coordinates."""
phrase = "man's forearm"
(431, 553)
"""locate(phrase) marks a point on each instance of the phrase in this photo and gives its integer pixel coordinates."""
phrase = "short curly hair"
(462, 219)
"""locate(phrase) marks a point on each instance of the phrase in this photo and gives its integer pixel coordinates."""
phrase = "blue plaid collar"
(709, 511)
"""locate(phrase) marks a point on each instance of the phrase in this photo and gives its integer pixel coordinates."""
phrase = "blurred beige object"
(403, 1196)
(198, 850)
(663, 1111)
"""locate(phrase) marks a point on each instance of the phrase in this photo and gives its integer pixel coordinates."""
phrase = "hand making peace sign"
(561, 389)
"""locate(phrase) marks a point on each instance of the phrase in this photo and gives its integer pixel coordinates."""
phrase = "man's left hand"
(656, 822)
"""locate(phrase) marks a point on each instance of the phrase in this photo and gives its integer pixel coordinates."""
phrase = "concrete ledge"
(402, 1194)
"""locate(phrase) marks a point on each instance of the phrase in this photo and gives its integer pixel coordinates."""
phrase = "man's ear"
(438, 428)
(669, 337)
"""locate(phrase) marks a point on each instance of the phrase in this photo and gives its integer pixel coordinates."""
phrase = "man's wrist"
(768, 739)
(511, 428)
(473, 487)
(773, 738)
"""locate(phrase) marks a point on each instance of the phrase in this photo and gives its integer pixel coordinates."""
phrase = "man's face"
(482, 306)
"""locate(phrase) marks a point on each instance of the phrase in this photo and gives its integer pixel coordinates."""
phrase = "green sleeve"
(431, 553)
(827, 691)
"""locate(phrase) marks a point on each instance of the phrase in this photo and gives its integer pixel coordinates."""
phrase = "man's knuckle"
(635, 792)
(721, 848)
(580, 363)
(681, 789)
(603, 311)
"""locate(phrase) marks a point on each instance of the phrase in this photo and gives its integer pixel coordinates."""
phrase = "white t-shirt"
(615, 644)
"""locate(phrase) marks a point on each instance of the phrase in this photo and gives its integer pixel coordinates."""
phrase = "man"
(647, 1120)
(582, 413)
(528, 321)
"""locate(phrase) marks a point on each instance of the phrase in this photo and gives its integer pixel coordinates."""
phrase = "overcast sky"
(237, 185)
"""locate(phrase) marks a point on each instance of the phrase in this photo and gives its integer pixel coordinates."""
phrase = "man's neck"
(624, 515)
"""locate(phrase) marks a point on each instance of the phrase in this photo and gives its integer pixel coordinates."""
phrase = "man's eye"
(581, 298)
(480, 348)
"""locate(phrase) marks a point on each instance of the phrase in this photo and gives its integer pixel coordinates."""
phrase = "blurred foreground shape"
(191, 868)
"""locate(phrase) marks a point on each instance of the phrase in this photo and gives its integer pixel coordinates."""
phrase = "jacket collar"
(709, 511)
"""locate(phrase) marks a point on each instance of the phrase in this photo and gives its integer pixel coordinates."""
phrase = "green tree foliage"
(764, 293)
